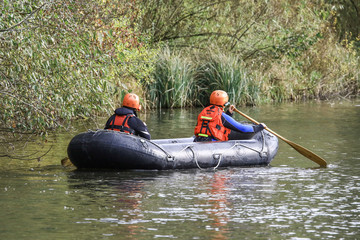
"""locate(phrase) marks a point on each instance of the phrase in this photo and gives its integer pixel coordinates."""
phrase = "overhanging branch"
(24, 20)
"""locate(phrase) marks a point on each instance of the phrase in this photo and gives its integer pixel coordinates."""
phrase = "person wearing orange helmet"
(125, 118)
(214, 124)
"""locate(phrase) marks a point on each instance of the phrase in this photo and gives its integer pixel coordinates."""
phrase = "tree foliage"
(65, 59)
(346, 18)
(249, 28)
(286, 50)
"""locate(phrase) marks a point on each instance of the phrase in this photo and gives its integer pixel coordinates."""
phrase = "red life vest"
(209, 124)
(120, 123)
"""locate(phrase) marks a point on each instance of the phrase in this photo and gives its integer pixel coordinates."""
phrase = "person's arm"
(256, 128)
(231, 123)
(139, 127)
(107, 125)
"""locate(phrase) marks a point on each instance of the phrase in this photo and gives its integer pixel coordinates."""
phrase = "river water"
(290, 199)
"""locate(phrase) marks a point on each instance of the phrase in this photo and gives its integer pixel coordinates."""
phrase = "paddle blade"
(65, 162)
(307, 153)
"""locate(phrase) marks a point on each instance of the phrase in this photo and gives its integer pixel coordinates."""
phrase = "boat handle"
(144, 143)
(168, 156)
(217, 156)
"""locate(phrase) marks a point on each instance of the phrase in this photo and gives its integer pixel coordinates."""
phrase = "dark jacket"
(134, 122)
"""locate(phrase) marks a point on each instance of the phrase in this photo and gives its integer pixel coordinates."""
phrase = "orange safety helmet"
(219, 97)
(132, 100)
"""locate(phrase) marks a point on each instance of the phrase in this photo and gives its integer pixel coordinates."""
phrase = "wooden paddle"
(305, 152)
(65, 162)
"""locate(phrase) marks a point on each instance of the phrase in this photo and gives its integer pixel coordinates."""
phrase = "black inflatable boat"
(105, 149)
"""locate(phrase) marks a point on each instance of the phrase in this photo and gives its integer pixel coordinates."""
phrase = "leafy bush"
(64, 59)
(67, 59)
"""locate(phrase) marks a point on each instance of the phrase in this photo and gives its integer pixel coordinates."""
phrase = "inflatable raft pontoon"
(106, 149)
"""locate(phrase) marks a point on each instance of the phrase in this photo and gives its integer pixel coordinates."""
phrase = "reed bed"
(185, 81)
(227, 72)
(173, 85)
(182, 80)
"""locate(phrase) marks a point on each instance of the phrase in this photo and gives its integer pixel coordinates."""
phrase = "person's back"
(125, 118)
(210, 126)
(215, 125)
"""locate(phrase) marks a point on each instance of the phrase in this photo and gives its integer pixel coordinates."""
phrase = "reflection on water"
(291, 199)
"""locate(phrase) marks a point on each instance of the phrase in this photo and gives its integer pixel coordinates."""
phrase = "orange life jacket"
(120, 123)
(209, 124)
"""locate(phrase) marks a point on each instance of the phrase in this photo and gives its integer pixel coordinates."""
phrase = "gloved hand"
(259, 127)
(231, 109)
(263, 125)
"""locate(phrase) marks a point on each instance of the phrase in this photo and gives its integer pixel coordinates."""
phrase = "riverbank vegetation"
(61, 60)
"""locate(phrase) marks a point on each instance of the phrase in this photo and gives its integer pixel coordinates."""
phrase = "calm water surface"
(290, 199)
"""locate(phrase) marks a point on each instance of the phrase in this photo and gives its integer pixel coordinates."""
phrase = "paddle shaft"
(305, 152)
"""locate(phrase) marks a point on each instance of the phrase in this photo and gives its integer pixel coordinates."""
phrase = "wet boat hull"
(105, 149)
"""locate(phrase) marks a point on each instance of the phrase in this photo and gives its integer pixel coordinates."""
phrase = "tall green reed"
(228, 73)
(173, 84)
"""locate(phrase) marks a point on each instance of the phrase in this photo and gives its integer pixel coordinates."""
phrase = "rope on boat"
(192, 150)
(262, 153)
(169, 157)
(220, 157)
(196, 161)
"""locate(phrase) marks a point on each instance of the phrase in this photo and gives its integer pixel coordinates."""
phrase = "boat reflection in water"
(166, 203)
